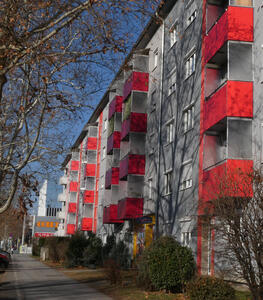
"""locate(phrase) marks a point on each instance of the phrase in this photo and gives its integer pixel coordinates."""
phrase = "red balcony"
(130, 208)
(114, 141)
(86, 224)
(112, 177)
(231, 178)
(137, 122)
(235, 24)
(74, 165)
(70, 229)
(72, 208)
(233, 99)
(138, 81)
(92, 143)
(88, 197)
(115, 106)
(132, 164)
(90, 170)
(73, 186)
(110, 214)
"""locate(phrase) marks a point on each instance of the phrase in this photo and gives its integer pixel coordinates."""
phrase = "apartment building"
(185, 107)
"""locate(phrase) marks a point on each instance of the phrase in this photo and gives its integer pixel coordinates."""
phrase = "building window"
(188, 118)
(191, 18)
(150, 187)
(153, 100)
(186, 180)
(186, 239)
(190, 65)
(169, 132)
(168, 182)
(105, 124)
(103, 152)
(155, 58)
(173, 34)
(172, 83)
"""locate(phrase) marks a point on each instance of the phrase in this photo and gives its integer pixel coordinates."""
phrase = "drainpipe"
(159, 137)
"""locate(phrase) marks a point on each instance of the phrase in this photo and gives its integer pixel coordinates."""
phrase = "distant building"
(48, 206)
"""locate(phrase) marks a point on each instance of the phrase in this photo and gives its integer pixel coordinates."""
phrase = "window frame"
(169, 129)
(168, 182)
(188, 118)
(187, 182)
(173, 34)
(172, 82)
(190, 64)
(155, 58)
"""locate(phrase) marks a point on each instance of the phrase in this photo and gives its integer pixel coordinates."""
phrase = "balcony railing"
(88, 197)
(86, 224)
(115, 106)
(137, 122)
(130, 208)
(230, 178)
(138, 81)
(132, 164)
(72, 208)
(90, 170)
(235, 24)
(112, 177)
(74, 165)
(110, 214)
(233, 99)
(71, 229)
(73, 186)
(113, 142)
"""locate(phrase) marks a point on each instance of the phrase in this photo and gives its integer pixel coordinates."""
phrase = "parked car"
(4, 260)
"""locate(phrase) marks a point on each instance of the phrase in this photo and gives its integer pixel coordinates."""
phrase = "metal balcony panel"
(138, 81)
(130, 208)
(235, 24)
(233, 99)
(71, 229)
(115, 106)
(86, 224)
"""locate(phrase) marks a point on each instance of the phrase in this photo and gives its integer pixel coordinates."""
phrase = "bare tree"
(237, 210)
(52, 60)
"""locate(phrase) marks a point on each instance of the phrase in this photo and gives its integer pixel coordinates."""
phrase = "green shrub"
(205, 287)
(74, 254)
(93, 253)
(169, 265)
(37, 244)
(107, 248)
(112, 271)
(57, 247)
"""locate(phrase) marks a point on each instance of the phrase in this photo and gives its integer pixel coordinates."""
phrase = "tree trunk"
(3, 80)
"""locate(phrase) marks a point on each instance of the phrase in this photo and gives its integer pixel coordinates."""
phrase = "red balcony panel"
(70, 229)
(73, 186)
(92, 143)
(130, 208)
(138, 81)
(234, 99)
(112, 177)
(235, 24)
(137, 122)
(115, 106)
(114, 141)
(132, 164)
(72, 208)
(90, 170)
(108, 179)
(88, 197)
(74, 165)
(230, 178)
(110, 214)
(86, 224)
(106, 215)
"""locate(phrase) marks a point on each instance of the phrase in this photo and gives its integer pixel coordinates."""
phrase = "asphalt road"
(29, 279)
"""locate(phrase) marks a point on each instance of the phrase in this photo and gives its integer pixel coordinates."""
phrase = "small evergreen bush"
(205, 287)
(57, 247)
(93, 253)
(37, 244)
(74, 254)
(167, 265)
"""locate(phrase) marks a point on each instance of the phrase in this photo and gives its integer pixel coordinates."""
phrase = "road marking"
(18, 293)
